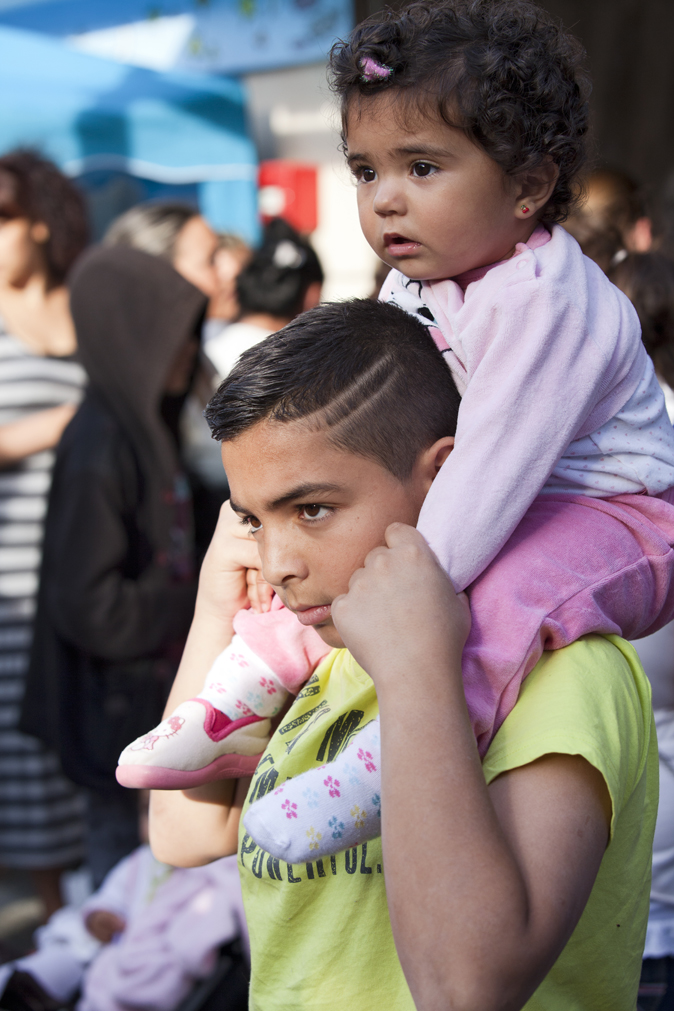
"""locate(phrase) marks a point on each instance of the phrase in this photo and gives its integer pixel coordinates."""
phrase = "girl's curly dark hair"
(505, 71)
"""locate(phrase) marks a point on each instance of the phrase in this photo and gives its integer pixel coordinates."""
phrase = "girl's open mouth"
(400, 245)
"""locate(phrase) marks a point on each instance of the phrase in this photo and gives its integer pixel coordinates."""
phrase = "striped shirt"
(40, 811)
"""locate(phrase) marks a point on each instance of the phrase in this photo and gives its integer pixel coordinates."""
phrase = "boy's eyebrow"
(303, 491)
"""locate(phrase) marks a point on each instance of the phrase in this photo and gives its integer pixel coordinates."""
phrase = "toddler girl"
(464, 124)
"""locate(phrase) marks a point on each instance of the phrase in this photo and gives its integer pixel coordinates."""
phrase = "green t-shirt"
(320, 932)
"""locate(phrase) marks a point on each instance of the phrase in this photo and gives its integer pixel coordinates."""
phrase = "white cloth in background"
(225, 348)
(64, 950)
(657, 656)
(669, 399)
(656, 653)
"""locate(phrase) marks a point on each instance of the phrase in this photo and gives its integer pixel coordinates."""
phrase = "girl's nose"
(388, 198)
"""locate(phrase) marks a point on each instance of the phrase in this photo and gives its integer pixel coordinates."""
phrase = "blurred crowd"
(110, 487)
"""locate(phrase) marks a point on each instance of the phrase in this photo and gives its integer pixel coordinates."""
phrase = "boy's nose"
(281, 563)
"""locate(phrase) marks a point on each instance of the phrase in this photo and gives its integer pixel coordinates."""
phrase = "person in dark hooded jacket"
(117, 585)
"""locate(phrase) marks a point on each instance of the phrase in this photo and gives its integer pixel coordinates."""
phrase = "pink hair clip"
(373, 71)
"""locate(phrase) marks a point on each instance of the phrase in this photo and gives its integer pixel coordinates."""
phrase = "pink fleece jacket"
(544, 351)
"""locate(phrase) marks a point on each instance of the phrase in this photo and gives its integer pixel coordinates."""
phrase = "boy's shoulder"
(590, 698)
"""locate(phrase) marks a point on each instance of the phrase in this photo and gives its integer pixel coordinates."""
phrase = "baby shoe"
(195, 745)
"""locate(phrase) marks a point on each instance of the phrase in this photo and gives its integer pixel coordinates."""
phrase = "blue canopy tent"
(115, 126)
(214, 36)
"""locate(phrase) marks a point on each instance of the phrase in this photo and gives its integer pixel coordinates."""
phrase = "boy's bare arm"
(481, 923)
(193, 827)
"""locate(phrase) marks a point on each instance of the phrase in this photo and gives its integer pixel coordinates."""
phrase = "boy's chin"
(330, 635)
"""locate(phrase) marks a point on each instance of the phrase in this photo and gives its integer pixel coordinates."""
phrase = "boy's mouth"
(313, 615)
(399, 245)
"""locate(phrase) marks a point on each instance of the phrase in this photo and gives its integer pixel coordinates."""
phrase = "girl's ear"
(39, 233)
(535, 188)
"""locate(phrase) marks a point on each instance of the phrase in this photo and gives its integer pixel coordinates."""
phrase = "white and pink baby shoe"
(195, 745)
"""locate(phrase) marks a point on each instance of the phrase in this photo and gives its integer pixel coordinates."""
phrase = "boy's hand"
(103, 925)
(401, 611)
(230, 575)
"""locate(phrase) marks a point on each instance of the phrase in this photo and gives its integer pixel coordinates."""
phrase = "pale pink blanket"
(175, 924)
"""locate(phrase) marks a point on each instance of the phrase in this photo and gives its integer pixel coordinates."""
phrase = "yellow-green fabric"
(320, 932)
(593, 699)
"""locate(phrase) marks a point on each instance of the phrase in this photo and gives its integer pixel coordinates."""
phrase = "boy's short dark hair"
(366, 371)
(505, 71)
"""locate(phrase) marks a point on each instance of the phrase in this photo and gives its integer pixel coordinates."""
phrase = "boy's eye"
(314, 512)
(423, 168)
(252, 522)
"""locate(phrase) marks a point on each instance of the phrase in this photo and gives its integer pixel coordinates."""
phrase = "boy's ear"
(432, 459)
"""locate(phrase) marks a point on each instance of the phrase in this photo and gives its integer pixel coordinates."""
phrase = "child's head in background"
(331, 430)
(648, 281)
(464, 123)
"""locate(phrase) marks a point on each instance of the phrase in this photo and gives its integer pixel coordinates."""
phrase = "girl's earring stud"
(524, 209)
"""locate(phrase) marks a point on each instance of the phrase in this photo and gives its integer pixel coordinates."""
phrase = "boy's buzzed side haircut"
(366, 372)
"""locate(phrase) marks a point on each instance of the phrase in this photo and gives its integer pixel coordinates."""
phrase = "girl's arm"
(551, 352)
(193, 827)
(34, 433)
(481, 923)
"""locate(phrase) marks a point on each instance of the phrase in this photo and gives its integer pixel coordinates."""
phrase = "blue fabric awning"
(213, 36)
(90, 114)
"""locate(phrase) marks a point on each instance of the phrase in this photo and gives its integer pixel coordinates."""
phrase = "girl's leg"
(326, 809)
(224, 730)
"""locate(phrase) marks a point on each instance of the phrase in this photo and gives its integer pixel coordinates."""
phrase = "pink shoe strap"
(218, 726)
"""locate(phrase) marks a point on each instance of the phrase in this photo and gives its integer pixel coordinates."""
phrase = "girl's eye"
(314, 512)
(423, 168)
(364, 174)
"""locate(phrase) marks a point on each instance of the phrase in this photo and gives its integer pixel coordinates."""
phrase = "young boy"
(521, 880)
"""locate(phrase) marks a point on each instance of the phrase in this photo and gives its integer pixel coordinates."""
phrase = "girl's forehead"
(397, 111)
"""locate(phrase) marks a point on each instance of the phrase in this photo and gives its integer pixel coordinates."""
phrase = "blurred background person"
(43, 229)
(648, 281)
(283, 278)
(118, 582)
(231, 257)
(611, 220)
(144, 939)
(177, 233)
